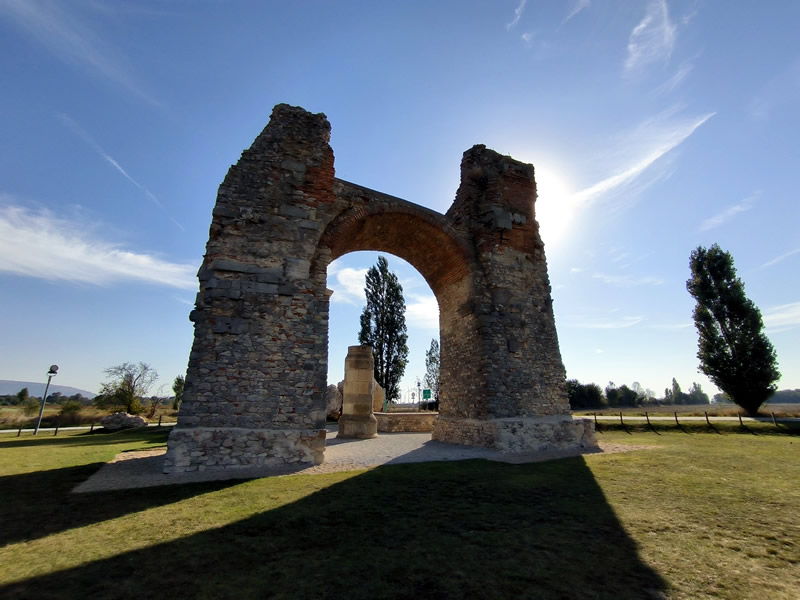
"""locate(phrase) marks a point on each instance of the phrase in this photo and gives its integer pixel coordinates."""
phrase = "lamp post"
(50, 374)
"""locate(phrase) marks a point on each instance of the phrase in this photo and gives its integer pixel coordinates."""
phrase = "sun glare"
(555, 205)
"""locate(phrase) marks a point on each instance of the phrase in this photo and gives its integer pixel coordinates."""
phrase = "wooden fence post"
(676, 418)
(91, 429)
(774, 422)
(159, 420)
(707, 421)
(646, 416)
(740, 420)
(620, 419)
(595, 419)
(19, 432)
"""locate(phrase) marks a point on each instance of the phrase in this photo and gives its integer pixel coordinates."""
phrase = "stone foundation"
(468, 432)
(536, 434)
(215, 448)
(518, 435)
(411, 422)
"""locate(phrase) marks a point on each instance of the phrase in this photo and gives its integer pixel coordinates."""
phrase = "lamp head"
(53, 370)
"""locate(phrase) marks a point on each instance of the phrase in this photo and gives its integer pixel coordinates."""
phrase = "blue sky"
(653, 127)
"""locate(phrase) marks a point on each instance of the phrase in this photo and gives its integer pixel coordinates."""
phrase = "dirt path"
(143, 468)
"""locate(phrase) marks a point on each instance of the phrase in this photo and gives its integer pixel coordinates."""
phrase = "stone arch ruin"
(257, 373)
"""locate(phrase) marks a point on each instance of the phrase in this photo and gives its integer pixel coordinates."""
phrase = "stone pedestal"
(357, 420)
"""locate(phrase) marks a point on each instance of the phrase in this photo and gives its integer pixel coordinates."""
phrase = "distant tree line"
(23, 396)
(786, 397)
(591, 395)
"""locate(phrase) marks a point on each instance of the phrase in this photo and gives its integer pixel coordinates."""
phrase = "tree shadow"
(38, 504)
(466, 529)
(745, 429)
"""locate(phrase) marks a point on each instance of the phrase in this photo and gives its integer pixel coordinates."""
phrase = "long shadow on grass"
(34, 505)
(468, 529)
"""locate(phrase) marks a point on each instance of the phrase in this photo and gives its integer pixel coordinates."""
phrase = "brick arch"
(419, 236)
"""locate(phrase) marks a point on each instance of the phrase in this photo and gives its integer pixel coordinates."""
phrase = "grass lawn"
(699, 515)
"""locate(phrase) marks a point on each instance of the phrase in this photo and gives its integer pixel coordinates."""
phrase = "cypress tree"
(432, 366)
(734, 352)
(383, 326)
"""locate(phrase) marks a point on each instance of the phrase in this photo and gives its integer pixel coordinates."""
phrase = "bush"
(584, 395)
(31, 407)
(70, 413)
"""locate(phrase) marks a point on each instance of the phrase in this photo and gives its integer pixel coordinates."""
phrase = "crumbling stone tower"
(256, 380)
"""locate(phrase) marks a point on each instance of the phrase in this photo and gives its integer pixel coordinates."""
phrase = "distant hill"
(36, 388)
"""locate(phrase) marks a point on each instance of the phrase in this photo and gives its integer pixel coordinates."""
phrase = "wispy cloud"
(577, 7)
(677, 78)
(649, 142)
(600, 322)
(80, 132)
(347, 284)
(730, 212)
(618, 255)
(778, 259)
(517, 14)
(783, 317)
(782, 90)
(671, 326)
(422, 311)
(627, 280)
(57, 26)
(42, 245)
(653, 38)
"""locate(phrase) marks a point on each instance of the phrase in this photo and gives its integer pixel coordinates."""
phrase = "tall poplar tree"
(734, 352)
(432, 366)
(383, 326)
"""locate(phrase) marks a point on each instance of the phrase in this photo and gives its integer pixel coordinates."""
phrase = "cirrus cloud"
(39, 244)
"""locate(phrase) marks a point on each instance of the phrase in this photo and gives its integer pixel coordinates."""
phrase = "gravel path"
(143, 468)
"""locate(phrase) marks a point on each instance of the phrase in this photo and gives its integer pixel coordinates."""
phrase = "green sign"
(426, 394)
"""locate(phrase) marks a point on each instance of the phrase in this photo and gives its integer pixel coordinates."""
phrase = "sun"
(555, 206)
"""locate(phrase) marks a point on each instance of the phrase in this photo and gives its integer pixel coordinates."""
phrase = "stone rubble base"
(202, 448)
(518, 435)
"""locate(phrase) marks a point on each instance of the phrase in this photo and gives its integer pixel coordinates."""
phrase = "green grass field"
(699, 515)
